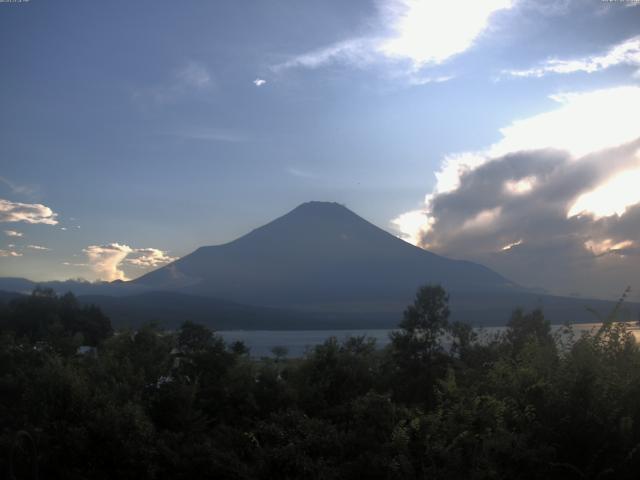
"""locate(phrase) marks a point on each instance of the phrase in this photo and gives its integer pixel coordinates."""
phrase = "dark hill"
(170, 309)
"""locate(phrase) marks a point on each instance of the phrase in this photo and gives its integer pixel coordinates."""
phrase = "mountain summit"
(318, 254)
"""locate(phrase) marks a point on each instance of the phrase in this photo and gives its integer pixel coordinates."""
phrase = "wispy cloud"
(13, 233)
(194, 74)
(258, 82)
(211, 135)
(420, 32)
(192, 77)
(107, 260)
(297, 172)
(359, 52)
(17, 189)
(420, 80)
(625, 53)
(38, 247)
(26, 212)
(72, 264)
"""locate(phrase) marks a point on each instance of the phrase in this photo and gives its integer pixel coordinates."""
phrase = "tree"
(43, 316)
(527, 327)
(424, 323)
(194, 337)
(280, 352)
(416, 350)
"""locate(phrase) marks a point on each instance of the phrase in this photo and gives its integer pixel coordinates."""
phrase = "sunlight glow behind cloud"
(607, 245)
(432, 31)
(411, 225)
(520, 187)
(611, 198)
(421, 31)
(584, 123)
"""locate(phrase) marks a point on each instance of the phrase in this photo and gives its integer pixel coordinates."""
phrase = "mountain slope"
(318, 254)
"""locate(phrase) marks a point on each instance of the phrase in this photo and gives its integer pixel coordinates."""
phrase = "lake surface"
(297, 342)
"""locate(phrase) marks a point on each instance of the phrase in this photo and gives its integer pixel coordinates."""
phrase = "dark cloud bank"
(528, 236)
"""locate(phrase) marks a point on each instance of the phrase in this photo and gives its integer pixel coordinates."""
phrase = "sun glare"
(412, 225)
(611, 198)
(433, 31)
(584, 123)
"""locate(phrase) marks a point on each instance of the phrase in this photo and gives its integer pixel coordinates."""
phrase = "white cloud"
(585, 122)
(150, 257)
(13, 233)
(9, 253)
(625, 53)
(38, 247)
(106, 260)
(258, 82)
(26, 212)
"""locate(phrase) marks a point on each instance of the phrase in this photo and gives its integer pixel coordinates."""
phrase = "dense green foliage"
(153, 404)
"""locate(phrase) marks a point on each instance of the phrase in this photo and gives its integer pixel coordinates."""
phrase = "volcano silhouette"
(319, 254)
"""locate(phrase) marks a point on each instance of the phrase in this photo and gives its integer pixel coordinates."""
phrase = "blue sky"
(134, 132)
